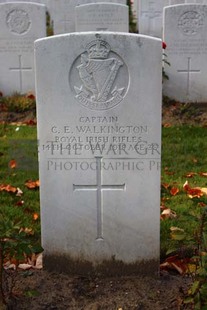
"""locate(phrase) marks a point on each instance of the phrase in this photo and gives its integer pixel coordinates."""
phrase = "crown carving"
(98, 49)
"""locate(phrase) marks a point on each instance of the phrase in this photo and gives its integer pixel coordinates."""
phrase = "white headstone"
(99, 130)
(173, 2)
(102, 17)
(185, 28)
(21, 24)
(150, 17)
(62, 13)
(34, 1)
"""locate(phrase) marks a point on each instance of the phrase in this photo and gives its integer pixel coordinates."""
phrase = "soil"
(63, 292)
(44, 290)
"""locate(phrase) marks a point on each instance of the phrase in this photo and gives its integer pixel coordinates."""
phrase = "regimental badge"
(190, 23)
(18, 21)
(103, 77)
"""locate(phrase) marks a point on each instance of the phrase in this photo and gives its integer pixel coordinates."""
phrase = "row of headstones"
(150, 14)
(22, 23)
(183, 28)
(71, 15)
(184, 33)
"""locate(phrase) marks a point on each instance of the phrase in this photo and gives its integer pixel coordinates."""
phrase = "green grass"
(184, 150)
(19, 143)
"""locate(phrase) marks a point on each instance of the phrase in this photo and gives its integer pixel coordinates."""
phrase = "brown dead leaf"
(166, 125)
(190, 174)
(168, 214)
(24, 266)
(39, 264)
(203, 174)
(195, 192)
(8, 188)
(202, 189)
(174, 191)
(12, 164)
(165, 185)
(20, 203)
(32, 184)
(202, 204)
(176, 263)
(31, 122)
(35, 216)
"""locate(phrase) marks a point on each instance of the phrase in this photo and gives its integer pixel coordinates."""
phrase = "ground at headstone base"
(62, 292)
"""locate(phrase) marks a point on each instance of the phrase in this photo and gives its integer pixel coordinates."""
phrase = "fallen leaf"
(173, 229)
(8, 265)
(165, 185)
(204, 190)
(19, 192)
(32, 184)
(196, 192)
(27, 230)
(176, 263)
(168, 213)
(39, 259)
(202, 204)
(35, 216)
(186, 187)
(20, 203)
(30, 95)
(203, 174)
(167, 125)
(24, 266)
(163, 207)
(31, 122)
(174, 191)
(12, 164)
(8, 188)
(190, 174)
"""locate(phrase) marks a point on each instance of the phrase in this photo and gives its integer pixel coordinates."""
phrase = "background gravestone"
(102, 17)
(62, 13)
(185, 27)
(21, 24)
(150, 17)
(99, 131)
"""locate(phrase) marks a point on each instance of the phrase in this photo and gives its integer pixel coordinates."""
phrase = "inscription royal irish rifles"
(102, 77)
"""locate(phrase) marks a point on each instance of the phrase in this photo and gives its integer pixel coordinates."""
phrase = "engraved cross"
(188, 71)
(99, 188)
(20, 68)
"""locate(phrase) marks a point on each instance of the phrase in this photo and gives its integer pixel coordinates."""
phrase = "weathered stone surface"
(63, 13)
(102, 17)
(185, 28)
(21, 24)
(99, 130)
